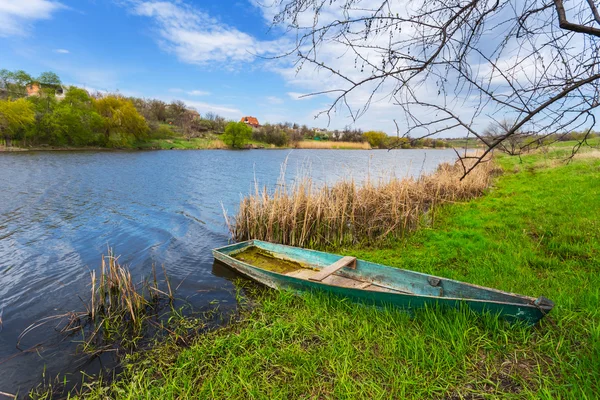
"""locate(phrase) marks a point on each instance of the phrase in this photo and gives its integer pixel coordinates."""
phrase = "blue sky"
(217, 56)
(206, 53)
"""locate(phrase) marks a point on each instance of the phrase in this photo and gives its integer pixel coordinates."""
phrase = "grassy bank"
(316, 144)
(536, 232)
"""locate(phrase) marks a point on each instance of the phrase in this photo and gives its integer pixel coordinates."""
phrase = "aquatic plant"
(346, 213)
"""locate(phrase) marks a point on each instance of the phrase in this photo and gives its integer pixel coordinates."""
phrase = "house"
(34, 88)
(253, 122)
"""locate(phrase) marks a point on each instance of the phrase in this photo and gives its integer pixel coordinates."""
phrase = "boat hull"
(526, 310)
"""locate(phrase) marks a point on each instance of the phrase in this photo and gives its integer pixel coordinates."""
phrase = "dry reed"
(309, 215)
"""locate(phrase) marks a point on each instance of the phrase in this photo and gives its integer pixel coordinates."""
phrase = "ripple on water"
(59, 211)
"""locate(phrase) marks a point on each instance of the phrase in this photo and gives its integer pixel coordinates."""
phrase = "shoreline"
(287, 346)
(133, 149)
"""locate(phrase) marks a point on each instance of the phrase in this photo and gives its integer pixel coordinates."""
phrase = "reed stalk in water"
(309, 215)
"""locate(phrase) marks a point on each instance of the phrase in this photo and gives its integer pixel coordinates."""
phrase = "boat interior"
(348, 272)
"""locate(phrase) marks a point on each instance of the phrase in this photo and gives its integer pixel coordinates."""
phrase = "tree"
(176, 110)
(189, 122)
(49, 79)
(272, 134)
(514, 144)
(122, 124)
(75, 121)
(158, 110)
(376, 139)
(451, 65)
(236, 134)
(41, 130)
(14, 82)
(14, 116)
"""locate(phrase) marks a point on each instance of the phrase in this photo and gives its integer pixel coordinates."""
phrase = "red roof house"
(253, 122)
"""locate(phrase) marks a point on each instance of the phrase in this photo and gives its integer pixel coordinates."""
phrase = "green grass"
(179, 143)
(537, 232)
(594, 141)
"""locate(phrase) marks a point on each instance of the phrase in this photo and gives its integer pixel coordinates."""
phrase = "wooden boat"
(280, 266)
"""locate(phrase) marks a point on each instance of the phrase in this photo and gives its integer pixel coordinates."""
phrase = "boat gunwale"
(251, 242)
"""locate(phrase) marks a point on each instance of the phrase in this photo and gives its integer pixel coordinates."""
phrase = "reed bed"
(309, 215)
(120, 311)
(309, 144)
(119, 308)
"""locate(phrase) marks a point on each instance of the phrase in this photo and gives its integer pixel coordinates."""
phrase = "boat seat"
(333, 268)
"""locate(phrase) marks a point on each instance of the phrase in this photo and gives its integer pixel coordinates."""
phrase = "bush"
(376, 139)
(271, 134)
(236, 135)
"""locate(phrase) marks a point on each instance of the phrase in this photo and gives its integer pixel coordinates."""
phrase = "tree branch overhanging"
(535, 63)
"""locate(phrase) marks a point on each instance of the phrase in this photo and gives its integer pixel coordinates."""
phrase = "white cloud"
(223, 110)
(196, 38)
(198, 93)
(62, 51)
(274, 100)
(17, 17)
(190, 92)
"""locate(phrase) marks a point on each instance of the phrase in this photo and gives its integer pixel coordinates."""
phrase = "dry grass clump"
(119, 312)
(216, 144)
(311, 144)
(308, 215)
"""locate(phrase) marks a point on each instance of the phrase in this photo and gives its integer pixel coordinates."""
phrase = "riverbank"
(204, 144)
(536, 233)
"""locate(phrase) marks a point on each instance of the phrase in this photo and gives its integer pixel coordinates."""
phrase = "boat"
(286, 267)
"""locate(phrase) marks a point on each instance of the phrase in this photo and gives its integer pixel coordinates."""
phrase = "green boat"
(280, 266)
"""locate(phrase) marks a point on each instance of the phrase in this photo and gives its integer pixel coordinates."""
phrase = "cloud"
(198, 93)
(190, 92)
(274, 100)
(223, 110)
(17, 17)
(196, 38)
(62, 51)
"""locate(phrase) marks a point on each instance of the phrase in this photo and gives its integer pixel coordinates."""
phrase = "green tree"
(41, 131)
(49, 78)
(74, 121)
(49, 82)
(236, 134)
(14, 117)
(122, 124)
(14, 82)
(376, 139)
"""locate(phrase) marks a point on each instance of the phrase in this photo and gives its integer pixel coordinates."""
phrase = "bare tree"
(454, 65)
(514, 144)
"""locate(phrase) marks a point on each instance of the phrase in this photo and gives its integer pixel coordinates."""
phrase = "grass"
(213, 142)
(316, 144)
(308, 215)
(179, 143)
(536, 232)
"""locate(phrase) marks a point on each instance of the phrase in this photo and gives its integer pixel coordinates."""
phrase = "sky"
(223, 57)
(216, 56)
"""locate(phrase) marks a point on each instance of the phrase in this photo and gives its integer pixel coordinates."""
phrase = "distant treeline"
(40, 111)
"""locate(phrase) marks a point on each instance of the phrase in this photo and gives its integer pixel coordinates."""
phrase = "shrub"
(236, 135)
(376, 139)
(272, 134)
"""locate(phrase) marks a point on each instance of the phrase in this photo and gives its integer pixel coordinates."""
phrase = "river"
(60, 210)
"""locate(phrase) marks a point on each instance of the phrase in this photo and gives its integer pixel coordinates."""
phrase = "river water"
(60, 210)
